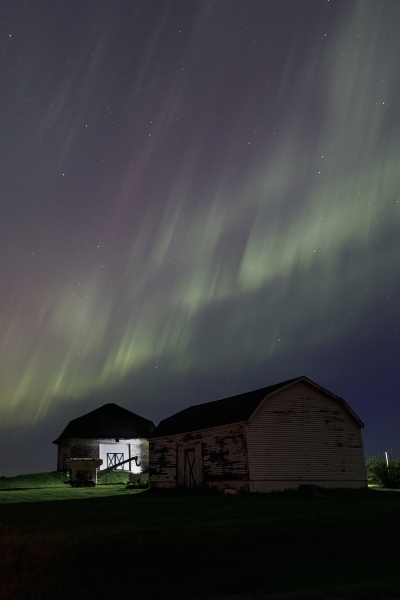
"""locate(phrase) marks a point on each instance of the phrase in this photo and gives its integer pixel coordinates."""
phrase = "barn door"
(190, 460)
(190, 468)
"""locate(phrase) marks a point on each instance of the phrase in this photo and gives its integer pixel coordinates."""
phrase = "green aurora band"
(289, 245)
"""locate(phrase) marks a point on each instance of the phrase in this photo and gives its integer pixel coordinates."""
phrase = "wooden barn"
(111, 433)
(278, 437)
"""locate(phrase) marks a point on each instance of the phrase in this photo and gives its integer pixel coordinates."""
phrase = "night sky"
(198, 199)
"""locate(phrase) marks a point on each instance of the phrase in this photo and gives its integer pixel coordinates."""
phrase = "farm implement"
(83, 472)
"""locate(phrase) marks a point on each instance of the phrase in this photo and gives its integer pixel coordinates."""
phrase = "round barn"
(110, 433)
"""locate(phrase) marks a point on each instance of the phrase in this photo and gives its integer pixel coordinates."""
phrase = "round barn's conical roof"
(109, 421)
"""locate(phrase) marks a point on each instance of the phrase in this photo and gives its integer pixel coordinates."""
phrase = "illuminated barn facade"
(279, 437)
(111, 433)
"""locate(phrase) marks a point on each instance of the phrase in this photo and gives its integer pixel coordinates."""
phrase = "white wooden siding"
(140, 448)
(304, 435)
(129, 448)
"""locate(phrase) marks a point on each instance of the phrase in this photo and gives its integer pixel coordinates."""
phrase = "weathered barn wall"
(301, 435)
(76, 449)
(63, 454)
(84, 449)
(223, 457)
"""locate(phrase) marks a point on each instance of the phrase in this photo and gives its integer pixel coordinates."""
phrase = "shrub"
(380, 473)
(140, 484)
(113, 477)
(34, 480)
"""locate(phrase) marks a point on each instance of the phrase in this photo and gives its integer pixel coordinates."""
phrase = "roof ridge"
(233, 409)
(113, 422)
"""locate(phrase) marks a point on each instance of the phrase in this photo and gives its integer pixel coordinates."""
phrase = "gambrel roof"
(108, 422)
(230, 410)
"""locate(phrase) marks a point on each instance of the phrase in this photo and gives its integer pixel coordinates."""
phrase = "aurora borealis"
(198, 198)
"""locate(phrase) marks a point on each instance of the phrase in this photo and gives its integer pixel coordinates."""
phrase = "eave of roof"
(213, 414)
(236, 409)
(107, 422)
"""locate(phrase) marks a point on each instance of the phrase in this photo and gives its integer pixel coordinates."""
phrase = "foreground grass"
(62, 493)
(34, 480)
(39, 487)
(172, 546)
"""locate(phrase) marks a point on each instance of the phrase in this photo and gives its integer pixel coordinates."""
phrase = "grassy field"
(177, 546)
(35, 480)
(39, 487)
